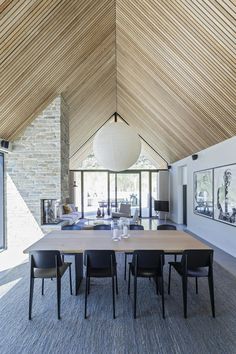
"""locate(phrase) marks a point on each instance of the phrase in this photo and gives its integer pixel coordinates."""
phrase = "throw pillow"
(67, 209)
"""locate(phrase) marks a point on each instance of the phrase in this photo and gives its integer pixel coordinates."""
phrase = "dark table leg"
(78, 271)
(78, 260)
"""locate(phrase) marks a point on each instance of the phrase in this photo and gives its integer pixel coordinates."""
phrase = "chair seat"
(146, 272)
(50, 272)
(196, 272)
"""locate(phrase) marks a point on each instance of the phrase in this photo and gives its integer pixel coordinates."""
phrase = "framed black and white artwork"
(203, 193)
(225, 194)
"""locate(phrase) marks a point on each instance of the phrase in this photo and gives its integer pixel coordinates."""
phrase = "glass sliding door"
(95, 193)
(145, 194)
(106, 190)
(76, 192)
(112, 192)
(2, 226)
(128, 190)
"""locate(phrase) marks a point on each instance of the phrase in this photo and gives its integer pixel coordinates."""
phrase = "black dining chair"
(47, 264)
(71, 227)
(147, 264)
(194, 264)
(168, 227)
(132, 227)
(100, 264)
(102, 227)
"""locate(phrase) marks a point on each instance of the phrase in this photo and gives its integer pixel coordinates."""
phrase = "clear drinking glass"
(125, 227)
(116, 231)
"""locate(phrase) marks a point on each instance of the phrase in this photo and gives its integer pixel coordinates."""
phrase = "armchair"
(124, 211)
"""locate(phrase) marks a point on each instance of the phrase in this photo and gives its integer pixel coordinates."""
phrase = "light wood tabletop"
(72, 241)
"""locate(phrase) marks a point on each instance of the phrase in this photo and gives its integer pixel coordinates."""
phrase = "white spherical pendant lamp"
(116, 146)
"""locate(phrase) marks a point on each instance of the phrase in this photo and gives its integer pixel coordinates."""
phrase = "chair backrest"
(125, 208)
(197, 258)
(46, 259)
(148, 258)
(136, 227)
(99, 258)
(71, 227)
(102, 227)
(166, 227)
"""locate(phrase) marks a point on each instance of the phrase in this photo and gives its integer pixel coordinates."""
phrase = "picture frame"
(203, 193)
(225, 194)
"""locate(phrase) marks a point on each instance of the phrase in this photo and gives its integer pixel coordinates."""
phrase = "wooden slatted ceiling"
(175, 72)
(46, 43)
(167, 67)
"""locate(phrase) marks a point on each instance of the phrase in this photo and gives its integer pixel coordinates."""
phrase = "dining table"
(75, 242)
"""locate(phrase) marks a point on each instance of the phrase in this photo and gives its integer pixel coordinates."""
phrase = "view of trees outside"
(91, 163)
(128, 189)
(95, 192)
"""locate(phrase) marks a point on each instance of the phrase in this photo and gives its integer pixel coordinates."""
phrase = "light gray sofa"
(72, 217)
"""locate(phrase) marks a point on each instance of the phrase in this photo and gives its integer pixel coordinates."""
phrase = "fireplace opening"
(50, 211)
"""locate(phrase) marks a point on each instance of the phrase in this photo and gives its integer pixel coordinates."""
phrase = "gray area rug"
(149, 333)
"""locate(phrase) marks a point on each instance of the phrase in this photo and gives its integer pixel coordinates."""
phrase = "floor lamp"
(162, 205)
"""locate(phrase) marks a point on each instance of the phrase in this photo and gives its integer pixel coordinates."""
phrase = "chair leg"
(175, 258)
(116, 285)
(129, 281)
(135, 295)
(196, 280)
(162, 297)
(31, 297)
(58, 298)
(86, 295)
(157, 287)
(88, 285)
(211, 290)
(42, 286)
(169, 279)
(113, 297)
(125, 266)
(70, 280)
(185, 285)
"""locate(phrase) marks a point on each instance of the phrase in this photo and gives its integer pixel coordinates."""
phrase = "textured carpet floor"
(149, 333)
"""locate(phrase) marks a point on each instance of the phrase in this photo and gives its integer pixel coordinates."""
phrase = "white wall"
(162, 188)
(219, 234)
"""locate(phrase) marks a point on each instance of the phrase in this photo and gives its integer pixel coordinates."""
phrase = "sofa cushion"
(67, 209)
